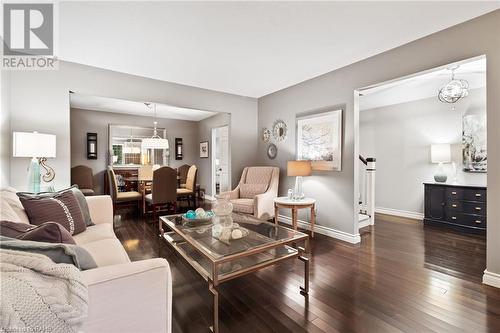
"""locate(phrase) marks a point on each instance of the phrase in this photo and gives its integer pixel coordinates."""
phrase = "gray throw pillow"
(59, 253)
(82, 202)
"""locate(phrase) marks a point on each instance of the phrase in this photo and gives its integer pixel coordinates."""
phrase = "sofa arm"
(100, 208)
(120, 295)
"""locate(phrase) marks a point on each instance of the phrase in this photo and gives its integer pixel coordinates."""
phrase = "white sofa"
(124, 296)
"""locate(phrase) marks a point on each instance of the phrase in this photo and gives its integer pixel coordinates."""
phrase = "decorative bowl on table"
(198, 217)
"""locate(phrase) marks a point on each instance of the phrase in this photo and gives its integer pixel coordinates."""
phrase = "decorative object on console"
(178, 149)
(38, 147)
(319, 139)
(266, 135)
(204, 149)
(272, 151)
(461, 207)
(92, 146)
(298, 169)
(280, 130)
(474, 143)
(154, 142)
(454, 90)
(440, 153)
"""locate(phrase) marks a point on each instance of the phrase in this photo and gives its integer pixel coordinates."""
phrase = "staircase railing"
(367, 188)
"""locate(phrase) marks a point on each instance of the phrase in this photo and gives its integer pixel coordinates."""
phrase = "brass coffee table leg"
(215, 305)
(305, 289)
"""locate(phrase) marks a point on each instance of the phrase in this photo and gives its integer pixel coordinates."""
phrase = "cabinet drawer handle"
(478, 221)
(478, 208)
(478, 195)
(454, 206)
(453, 217)
(454, 193)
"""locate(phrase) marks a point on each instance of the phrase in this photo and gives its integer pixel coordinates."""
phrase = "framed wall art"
(319, 139)
(204, 149)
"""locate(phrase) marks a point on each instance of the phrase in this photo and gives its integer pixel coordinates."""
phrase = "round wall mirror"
(280, 130)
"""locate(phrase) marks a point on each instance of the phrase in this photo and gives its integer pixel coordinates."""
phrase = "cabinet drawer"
(468, 207)
(470, 194)
(470, 220)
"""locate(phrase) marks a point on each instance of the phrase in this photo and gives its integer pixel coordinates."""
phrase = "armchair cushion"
(243, 205)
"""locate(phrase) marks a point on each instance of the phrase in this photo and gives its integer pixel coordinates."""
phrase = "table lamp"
(38, 147)
(298, 169)
(440, 153)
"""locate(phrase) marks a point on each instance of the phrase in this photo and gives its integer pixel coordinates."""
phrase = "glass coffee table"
(263, 244)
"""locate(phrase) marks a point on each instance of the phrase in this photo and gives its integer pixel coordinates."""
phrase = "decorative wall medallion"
(266, 135)
(272, 151)
(280, 130)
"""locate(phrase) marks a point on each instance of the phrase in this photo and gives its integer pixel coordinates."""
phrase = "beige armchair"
(255, 192)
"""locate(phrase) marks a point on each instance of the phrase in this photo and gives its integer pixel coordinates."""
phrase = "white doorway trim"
(213, 159)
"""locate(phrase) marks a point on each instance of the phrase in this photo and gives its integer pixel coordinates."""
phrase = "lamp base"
(34, 176)
(440, 176)
(297, 192)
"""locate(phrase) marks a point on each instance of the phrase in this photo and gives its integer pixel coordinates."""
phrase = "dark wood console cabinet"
(461, 207)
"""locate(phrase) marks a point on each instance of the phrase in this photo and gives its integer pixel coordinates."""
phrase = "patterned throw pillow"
(62, 208)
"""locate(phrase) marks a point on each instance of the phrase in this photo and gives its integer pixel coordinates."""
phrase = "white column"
(370, 190)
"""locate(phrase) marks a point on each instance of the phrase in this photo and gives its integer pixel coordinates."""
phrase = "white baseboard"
(364, 221)
(491, 279)
(401, 213)
(341, 235)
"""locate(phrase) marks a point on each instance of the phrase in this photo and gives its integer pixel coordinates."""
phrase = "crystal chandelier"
(454, 90)
(154, 142)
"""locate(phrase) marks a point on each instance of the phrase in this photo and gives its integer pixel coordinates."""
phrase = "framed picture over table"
(319, 139)
(204, 149)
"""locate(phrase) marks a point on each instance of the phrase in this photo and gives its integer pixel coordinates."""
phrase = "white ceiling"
(422, 86)
(246, 48)
(107, 104)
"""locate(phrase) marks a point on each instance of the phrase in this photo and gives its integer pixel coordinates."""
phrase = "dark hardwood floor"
(401, 278)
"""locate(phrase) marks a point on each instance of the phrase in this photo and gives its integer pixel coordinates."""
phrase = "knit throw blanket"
(39, 295)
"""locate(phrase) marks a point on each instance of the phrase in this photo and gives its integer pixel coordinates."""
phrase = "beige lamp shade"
(441, 153)
(299, 168)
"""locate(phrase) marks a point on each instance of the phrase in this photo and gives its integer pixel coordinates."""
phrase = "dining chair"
(188, 192)
(183, 171)
(144, 177)
(82, 176)
(164, 189)
(127, 198)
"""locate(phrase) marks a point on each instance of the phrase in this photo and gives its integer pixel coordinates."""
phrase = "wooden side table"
(294, 205)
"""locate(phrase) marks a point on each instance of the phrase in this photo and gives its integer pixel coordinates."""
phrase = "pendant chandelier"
(454, 90)
(154, 142)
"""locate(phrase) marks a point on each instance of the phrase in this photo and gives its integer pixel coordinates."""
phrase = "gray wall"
(400, 135)
(337, 206)
(205, 134)
(40, 101)
(83, 121)
(5, 135)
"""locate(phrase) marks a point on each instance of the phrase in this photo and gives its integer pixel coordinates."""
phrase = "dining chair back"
(113, 186)
(82, 176)
(145, 172)
(191, 178)
(183, 172)
(164, 188)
